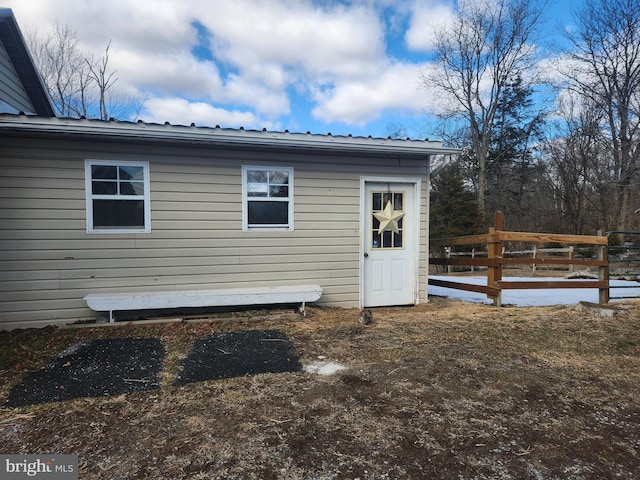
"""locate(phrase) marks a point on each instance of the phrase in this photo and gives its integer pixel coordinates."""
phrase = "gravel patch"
(93, 369)
(236, 354)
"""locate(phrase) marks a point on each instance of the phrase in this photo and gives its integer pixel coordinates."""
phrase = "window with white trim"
(267, 198)
(117, 196)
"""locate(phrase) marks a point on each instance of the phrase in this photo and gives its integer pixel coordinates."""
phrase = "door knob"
(366, 254)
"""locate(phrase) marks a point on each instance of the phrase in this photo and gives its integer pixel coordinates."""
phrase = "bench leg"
(111, 317)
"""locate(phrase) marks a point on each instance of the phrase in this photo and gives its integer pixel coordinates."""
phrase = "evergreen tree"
(454, 209)
(512, 171)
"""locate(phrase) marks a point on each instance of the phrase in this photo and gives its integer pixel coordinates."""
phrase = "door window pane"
(397, 201)
(387, 239)
(397, 239)
(377, 201)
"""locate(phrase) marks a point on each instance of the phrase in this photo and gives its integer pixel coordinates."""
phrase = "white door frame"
(417, 185)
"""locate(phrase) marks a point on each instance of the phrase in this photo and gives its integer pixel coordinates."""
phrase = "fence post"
(494, 251)
(603, 271)
(571, 257)
(473, 255)
(447, 254)
(535, 253)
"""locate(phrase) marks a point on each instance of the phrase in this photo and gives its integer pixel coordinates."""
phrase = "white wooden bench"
(110, 302)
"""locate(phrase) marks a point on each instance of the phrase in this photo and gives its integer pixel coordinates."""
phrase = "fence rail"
(495, 261)
(535, 252)
(624, 262)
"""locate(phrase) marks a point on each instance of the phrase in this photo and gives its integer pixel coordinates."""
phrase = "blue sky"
(324, 66)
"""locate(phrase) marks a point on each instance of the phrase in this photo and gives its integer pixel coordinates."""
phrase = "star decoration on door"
(388, 219)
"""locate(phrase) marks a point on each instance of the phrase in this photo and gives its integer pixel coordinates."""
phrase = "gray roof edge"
(22, 61)
(181, 134)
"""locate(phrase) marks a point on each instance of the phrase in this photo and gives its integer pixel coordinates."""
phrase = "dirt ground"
(445, 390)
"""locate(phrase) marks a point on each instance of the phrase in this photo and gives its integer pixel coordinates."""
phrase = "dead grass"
(444, 390)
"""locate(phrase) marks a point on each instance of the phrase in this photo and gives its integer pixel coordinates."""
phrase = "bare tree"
(79, 85)
(488, 44)
(577, 193)
(62, 66)
(607, 54)
(396, 130)
(103, 78)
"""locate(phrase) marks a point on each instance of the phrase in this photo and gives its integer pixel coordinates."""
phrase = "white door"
(389, 251)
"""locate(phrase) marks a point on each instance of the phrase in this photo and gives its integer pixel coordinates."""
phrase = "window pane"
(131, 173)
(256, 176)
(397, 201)
(279, 191)
(397, 239)
(118, 214)
(104, 188)
(268, 213)
(386, 239)
(131, 188)
(376, 240)
(257, 189)
(104, 172)
(377, 201)
(281, 178)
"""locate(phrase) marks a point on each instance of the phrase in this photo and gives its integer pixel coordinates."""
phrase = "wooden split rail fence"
(495, 261)
(535, 252)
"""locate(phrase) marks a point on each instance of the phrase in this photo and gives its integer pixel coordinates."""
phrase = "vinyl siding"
(12, 93)
(48, 262)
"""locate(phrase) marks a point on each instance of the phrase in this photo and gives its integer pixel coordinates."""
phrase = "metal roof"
(122, 131)
(14, 43)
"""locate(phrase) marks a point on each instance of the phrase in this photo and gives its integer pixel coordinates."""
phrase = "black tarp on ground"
(93, 369)
(234, 354)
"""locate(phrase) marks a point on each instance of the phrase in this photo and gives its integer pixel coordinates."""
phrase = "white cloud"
(271, 102)
(182, 112)
(152, 26)
(176, 74)
(396, 87)
(331, 53)
(427, 17)
(558, 69)
(333, 39)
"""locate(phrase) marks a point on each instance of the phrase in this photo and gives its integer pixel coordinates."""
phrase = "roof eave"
(178, 134)
(22, 61)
